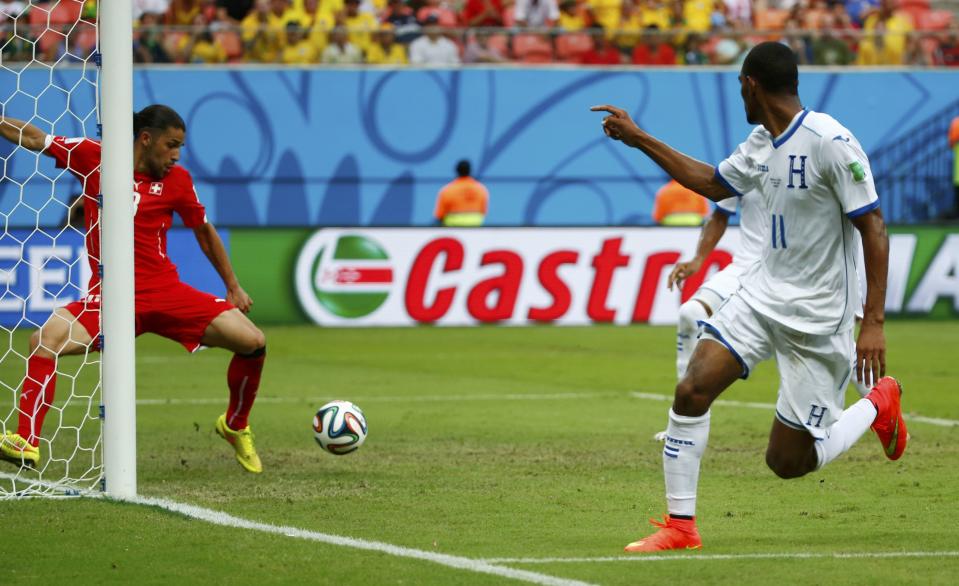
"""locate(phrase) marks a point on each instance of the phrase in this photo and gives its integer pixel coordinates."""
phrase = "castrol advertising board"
(516, 276)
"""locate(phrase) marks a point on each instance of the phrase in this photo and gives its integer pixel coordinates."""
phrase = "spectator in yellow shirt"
(360, 25)
(606, 13)
(263, 30)
(889, 43)
(385, 50)
(572, 16)
(298, 49)
(697, 15)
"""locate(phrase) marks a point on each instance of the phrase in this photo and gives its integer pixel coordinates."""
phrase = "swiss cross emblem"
(156, 189)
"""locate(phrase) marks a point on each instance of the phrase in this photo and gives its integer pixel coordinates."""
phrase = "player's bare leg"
(687, 337)
(791, 453)
(712, 369)
(234, 331)
(62, 334)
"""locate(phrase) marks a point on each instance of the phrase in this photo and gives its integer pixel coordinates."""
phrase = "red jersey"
(155, 200)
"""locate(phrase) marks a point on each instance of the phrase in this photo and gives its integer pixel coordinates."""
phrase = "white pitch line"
(394, 399)
(452, 561)
(731, 556)
(770, 406)
(226, 520)
(495, 397)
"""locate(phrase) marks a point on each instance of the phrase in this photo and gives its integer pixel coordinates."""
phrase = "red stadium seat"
(571, 46)
(498, 43)
(530, 48)
(51, 25)
(933, 20)
(920, 4)
(770, 19)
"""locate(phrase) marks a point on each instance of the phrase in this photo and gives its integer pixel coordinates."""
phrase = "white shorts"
(813, 369)
(717, 288)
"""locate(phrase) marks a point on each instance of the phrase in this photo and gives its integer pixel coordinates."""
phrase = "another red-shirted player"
(164, 305)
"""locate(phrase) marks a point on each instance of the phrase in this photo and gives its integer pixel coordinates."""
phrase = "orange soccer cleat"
(672, 534)
(889, 424)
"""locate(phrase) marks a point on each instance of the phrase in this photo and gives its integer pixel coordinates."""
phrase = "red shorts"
(178, 312)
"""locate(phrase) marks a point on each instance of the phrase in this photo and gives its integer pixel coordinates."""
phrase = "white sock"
(866, 385)
(844, 433)
(686, 439)
(861, 388)
(687, 333)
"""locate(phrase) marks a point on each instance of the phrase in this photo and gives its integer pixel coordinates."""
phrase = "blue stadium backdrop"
(296, 147)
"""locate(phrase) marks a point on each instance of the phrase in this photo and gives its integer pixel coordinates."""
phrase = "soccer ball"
(339, 427)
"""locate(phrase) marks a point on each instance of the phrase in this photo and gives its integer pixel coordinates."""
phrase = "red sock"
(243, 377)
(36, 396)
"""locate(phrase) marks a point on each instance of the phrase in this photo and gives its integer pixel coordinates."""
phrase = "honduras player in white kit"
(797, 303)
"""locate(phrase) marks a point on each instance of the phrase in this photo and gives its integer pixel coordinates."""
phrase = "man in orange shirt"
(463, 201)
(677, 206)
(954, 145)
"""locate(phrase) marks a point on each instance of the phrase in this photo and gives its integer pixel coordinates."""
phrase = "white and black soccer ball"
(339, 427)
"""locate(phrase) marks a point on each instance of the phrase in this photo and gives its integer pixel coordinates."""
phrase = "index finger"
(607, 108)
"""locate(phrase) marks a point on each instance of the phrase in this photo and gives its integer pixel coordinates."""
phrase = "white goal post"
(117, 318)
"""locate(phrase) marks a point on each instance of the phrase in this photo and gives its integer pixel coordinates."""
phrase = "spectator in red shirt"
(653, 49)
(603, 51)
(483, 13)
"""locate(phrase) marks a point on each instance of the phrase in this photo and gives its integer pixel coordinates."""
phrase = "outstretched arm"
(23, 133)
(712, 232)
(871, 346)
(691, 173)
(212, 246)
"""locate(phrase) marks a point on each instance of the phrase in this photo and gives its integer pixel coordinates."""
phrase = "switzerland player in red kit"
(164, 305)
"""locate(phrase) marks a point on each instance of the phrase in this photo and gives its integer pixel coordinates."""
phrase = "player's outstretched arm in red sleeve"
(212, 246)
(23, 134)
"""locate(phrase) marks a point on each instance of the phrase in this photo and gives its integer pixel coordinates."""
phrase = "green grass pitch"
(495, 443)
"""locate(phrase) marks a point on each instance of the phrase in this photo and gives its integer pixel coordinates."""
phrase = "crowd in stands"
(450, 32)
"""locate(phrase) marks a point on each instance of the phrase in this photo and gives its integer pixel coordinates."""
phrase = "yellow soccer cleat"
(14, 448)
(242, 442)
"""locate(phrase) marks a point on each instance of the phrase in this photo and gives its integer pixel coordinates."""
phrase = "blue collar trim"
(778, 142)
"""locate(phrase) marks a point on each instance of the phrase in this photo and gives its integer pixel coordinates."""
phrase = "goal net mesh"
(49, 78)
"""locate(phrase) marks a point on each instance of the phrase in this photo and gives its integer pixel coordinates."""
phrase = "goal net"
(49, 78)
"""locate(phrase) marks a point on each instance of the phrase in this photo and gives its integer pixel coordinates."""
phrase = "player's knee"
(254, 342)
(690, 314)
(35, 341)
(690, 400)
(45, 342)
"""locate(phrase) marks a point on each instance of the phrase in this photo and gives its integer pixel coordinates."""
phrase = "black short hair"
(157, 117)
(463, 168)
(774, 66)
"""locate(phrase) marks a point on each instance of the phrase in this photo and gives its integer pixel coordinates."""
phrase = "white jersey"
(752, 226)
(813, 178)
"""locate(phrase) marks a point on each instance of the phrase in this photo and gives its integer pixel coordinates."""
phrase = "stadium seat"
(929, 46)
(814, 17)
(530, 48)
(498, 43)
(83, 40)
(51, 25)
(933, 20)
(770, 19)
(920, 4)
(571, 46)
